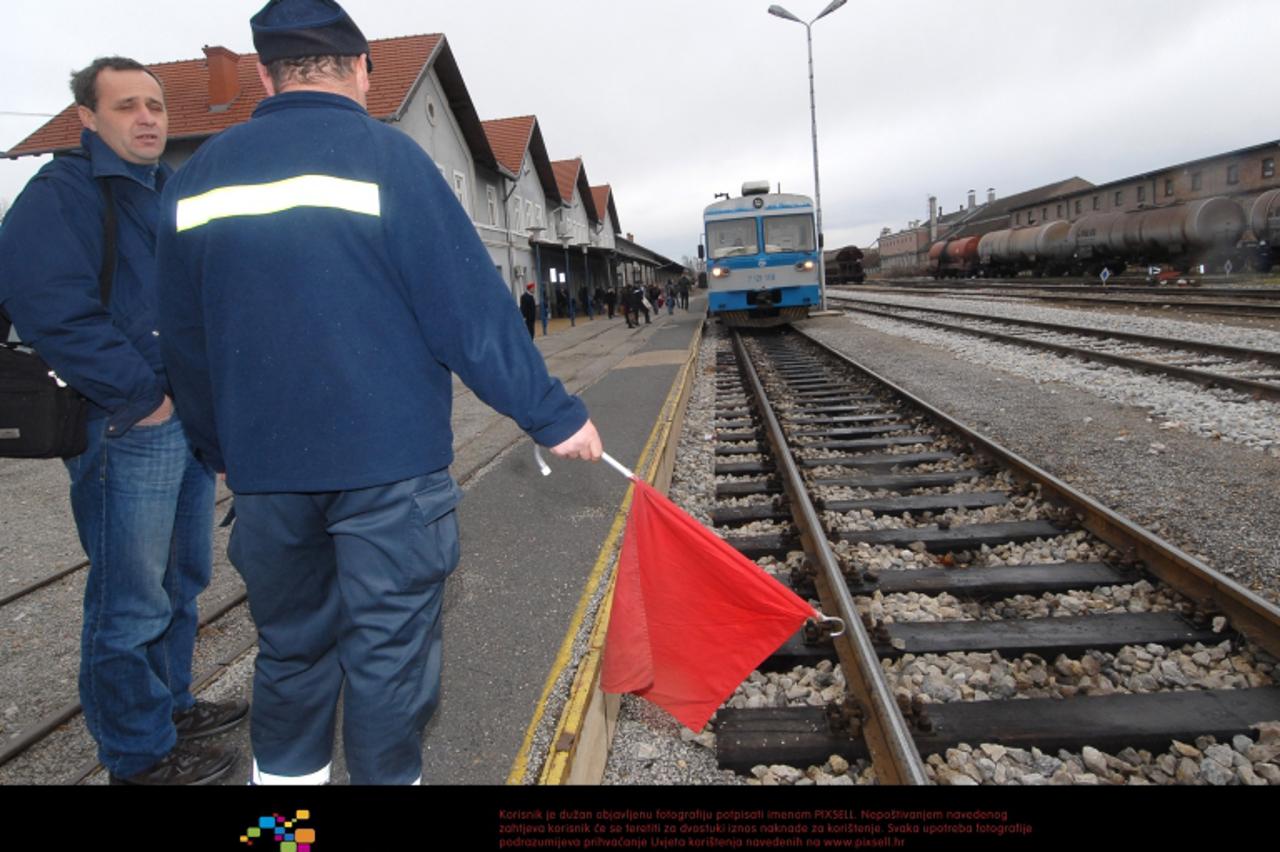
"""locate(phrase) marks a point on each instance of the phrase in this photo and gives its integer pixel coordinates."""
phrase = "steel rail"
(1257, 619)
(887, 733)
(49, 580)
(1264, 355)
(1262, 390)
(1231, 308)
(37, 732)
(197, 685)
(1061, 285)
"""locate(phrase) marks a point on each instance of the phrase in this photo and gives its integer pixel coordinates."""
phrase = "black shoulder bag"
(41, 416)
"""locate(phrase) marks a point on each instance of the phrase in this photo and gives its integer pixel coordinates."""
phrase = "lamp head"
(780, 12)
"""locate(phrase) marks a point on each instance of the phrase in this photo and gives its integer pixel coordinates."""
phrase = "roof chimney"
(991, 195)
(933, 218)
(224, 82)
(972, 199)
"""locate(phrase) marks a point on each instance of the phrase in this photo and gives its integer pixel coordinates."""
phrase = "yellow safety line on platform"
(557, 767)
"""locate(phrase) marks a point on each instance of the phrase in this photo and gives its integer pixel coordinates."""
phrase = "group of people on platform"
(634, 301)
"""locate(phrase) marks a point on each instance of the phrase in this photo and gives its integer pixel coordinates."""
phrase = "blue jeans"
(346, 590)
(143, 507)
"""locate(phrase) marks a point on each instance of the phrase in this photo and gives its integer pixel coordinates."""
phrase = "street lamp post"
(565, 240)
(586, 265)
(780, 12)
(534, 233)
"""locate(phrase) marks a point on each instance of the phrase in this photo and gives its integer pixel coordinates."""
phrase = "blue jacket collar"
(107, 163)
(287, 100)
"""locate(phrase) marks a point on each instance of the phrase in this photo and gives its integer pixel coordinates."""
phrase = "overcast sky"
(672, 101)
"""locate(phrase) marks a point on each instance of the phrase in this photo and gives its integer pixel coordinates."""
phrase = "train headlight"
(805, 265)
(719, 272)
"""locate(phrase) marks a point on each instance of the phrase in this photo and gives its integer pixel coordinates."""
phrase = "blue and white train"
(762, 257)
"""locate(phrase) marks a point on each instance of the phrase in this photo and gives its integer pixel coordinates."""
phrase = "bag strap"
(106, 274)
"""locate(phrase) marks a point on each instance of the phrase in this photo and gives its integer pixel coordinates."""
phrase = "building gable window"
(460, 187)
(1142, 194)
(1196, 181)
(1233, 174)
(1168, 187)
(1097, 204)
(1078, 205)
(1119, 197)
(493, 204)
(1269, 167)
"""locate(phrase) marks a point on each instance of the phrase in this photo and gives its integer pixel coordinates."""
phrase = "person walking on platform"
(529, 308)
(610, 300)
(684, 291)
(670, 297)
(78, 280)
(343, 283)
(631, 308)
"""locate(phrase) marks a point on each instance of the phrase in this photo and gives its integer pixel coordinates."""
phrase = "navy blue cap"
(285, 29)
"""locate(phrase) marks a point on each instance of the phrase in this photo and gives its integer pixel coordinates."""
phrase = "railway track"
(994, 611)
(1252, 371)
(40, 730)
(1230, 302)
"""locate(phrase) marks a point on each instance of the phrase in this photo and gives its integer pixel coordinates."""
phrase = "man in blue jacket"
(320, 283)
(143, 503)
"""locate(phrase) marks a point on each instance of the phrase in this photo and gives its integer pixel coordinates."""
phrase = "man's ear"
(265, 76)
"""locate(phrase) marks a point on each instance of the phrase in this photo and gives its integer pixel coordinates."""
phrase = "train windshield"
(732, 238)
(788, 233)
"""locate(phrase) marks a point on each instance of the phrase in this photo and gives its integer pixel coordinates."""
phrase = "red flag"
(691, 616)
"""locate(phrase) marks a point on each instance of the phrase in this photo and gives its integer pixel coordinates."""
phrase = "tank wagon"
(1205, 232)
(845, 267)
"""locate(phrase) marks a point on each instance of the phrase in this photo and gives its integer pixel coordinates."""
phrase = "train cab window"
(1168, 187)
(788, 233)
(1233, 174)
(1269, 167)
(1196, 181)
(732, 238)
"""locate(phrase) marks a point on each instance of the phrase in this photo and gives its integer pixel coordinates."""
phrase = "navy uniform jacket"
(319, 282)
(51, 250)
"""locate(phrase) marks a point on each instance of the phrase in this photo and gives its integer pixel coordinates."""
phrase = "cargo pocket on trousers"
(435, 512)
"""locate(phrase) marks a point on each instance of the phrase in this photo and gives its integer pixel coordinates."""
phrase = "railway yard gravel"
(1209, 495)
(1116, 448)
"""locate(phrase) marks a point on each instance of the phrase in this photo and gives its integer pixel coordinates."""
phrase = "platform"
(529, 544)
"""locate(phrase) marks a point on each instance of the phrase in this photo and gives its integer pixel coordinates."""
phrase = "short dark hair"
(84, 83)
(310, 69)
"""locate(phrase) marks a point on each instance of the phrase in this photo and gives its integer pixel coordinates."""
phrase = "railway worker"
(529, 308)
(343, 283)
(142, 502)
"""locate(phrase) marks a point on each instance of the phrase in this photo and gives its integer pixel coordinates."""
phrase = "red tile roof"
(567, 177)
(602, 197)
(398, 63)
(509, 138)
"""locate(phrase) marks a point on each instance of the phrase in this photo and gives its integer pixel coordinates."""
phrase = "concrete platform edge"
(584, 730)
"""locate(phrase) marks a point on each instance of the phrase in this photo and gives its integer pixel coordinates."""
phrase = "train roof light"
(755, 187)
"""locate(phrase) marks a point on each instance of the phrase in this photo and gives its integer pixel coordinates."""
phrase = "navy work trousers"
(346, 590)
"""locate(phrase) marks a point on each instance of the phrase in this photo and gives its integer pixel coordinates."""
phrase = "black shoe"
(206, 718)
(186, 765)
